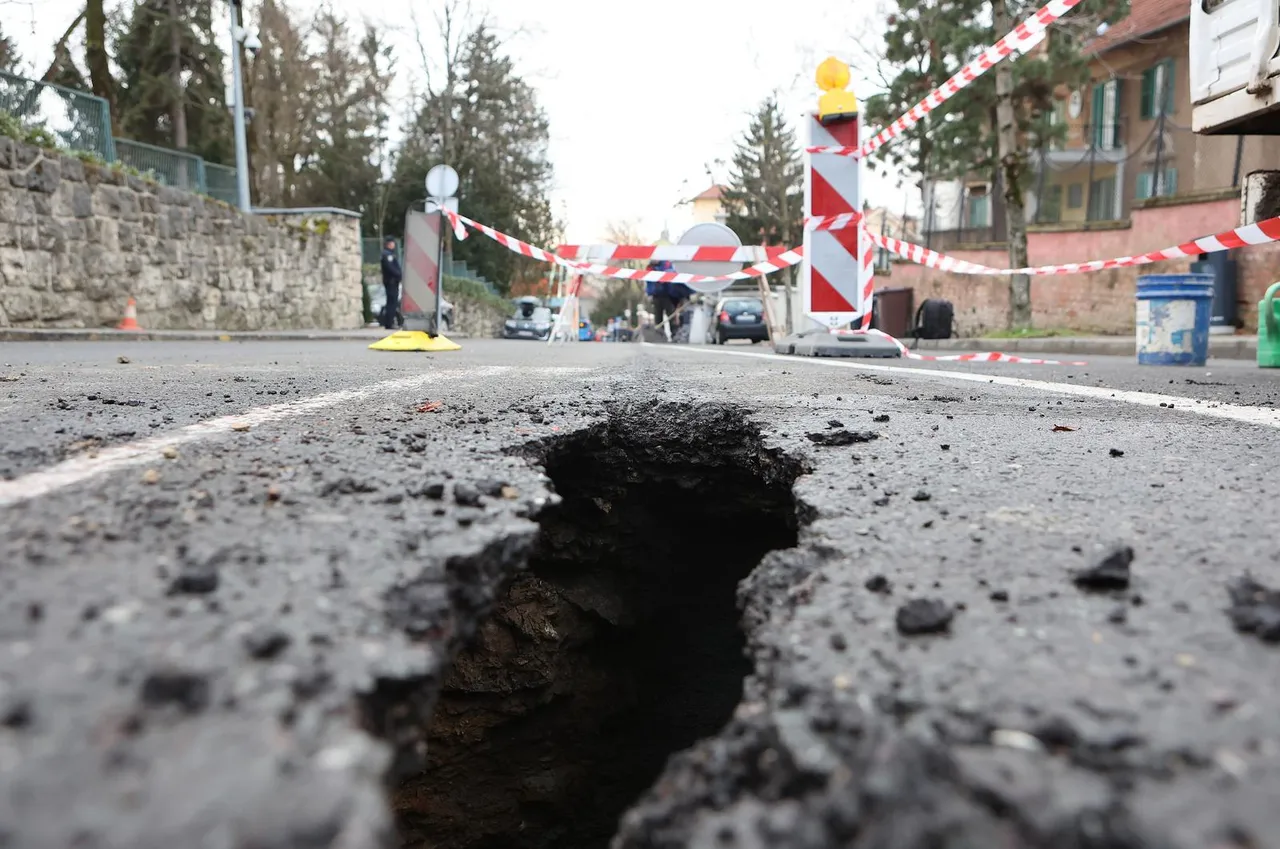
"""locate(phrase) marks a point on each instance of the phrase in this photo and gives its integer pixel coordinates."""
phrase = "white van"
(1235, 67)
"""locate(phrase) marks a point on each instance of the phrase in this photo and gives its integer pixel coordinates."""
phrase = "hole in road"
(619, 646)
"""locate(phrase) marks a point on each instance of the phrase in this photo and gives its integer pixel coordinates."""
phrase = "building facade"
(1124, 142)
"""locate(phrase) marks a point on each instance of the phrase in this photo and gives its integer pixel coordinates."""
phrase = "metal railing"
(76, 119)
(167, 167)
(220, 183)
(79, 121)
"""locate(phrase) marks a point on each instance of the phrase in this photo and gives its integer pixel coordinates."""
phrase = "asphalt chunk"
(921, 495)
(924, 616)
(1255, 609)
(837, 438)
(195, 579)
(879, 584)
(1111, 573)
(492, 487)
(184, 688)
(265, 642)
(466, 495)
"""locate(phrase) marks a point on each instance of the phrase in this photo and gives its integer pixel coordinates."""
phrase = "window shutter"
(1098, 112)
(1144, 185)
(1170, 182)
(1147, 109)
(1114, 136)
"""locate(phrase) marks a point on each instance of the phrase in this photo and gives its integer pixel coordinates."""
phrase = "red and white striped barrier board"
(461, 223)
(1251, 234)
(834, 282)
(674, 253)
(421, 241)
(1023, 35)
(978, 357)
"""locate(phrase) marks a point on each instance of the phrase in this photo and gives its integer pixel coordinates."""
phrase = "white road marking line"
(117, 457)
(1235, 412)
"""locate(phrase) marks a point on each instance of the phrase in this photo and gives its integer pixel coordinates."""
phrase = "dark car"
(740, 318)
(529, 322)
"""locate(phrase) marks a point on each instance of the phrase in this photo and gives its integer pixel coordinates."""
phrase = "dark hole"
(618, 647)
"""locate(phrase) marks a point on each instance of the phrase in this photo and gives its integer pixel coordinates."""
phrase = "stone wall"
(1101, 302)
(77, 240)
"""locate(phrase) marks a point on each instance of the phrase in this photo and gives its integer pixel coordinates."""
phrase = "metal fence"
(167, 167)
(221, 184)
(77, 120)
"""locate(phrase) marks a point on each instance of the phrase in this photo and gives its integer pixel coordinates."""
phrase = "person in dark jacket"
(391, 277)
(663, 304)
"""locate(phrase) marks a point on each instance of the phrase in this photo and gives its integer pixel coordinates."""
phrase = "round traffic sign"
(442, 182)
(709, 234)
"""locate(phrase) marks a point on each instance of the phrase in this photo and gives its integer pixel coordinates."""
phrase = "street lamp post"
(240, 36)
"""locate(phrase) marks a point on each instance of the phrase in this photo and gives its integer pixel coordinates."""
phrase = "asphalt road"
(224, 570)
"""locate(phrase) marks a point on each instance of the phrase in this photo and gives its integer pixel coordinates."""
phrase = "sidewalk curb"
(1222, 347)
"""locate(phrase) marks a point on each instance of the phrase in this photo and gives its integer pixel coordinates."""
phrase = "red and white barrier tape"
(677, 253)
(977, 357)
(461, 222)
(1021, 36)
(511, 243)
(832, 222)
(1251, 234)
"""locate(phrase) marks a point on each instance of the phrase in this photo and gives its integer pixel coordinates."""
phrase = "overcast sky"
(641, 98)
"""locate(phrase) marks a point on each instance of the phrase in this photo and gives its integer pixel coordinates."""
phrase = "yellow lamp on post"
(835, 104)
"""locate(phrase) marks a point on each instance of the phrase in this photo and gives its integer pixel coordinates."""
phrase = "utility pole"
(1011, 168)
(237, 84)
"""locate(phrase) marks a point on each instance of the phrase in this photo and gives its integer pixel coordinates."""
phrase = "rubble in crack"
(619, 646)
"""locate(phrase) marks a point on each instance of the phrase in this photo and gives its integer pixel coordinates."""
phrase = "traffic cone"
(130, 320)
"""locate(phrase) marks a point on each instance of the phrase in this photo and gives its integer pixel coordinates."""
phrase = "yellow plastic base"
(414, 340)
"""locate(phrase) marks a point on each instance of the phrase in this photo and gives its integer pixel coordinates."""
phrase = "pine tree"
(9, 58)
(347, 107)
(172, 78)
(480, 117)
(765, 195)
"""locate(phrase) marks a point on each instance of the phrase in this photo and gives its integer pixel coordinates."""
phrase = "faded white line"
(116, 457)
(1235, 412)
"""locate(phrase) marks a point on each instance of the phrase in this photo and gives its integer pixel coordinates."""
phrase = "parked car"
(740, 318)
(533, 323)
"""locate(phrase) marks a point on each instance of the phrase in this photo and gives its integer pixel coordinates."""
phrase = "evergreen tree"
(9, 58)
(485, 121)
(347, 109)
(172, 78)
(765, 195)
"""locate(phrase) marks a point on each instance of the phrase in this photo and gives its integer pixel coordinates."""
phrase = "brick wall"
(1101, 302)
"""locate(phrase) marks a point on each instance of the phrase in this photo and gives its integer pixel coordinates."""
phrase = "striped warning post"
(421, 246)
(834, 280)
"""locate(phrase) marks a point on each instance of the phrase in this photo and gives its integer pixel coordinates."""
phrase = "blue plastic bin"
(1174, 314)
